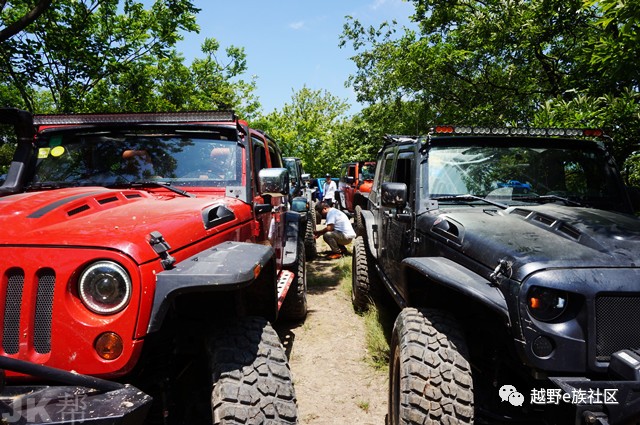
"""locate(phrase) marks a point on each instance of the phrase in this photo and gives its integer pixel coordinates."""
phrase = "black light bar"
(138, 118)
(517, 131)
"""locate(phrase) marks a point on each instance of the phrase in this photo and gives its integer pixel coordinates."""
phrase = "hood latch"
(161, 247)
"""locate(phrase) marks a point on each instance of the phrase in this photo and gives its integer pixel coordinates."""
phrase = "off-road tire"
(363, 277)
(358, 221)
(310, 248)
(294, 306)
(252, 381)
(430, 375)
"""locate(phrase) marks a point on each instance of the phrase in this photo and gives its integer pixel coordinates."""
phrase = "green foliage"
(310, 128)
(77, 44)
(503, 62)
(170, 85)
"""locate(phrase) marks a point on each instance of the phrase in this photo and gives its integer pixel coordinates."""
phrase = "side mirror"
(350, 179)
(394, 195)
(273, 182)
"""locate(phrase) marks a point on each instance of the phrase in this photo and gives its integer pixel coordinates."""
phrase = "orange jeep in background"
(355, 183)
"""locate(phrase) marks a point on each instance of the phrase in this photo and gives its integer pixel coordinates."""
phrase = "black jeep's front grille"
(617, 325)
(16, 307)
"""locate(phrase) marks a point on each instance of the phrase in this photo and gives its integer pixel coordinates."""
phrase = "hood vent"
(217, 215)
(78, 210)
(521, 212)
(546, 220)
(570, 231)
(107, 200)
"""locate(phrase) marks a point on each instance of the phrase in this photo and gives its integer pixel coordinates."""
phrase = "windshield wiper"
(549, 198)
(151, 183)
(467, 198)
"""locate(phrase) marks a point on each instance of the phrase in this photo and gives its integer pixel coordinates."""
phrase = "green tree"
(310, 127)
(496, 62)
(76, 44)
(21, 21)
(167, 84)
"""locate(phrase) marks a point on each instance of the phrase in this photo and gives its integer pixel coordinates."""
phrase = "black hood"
(539, 237)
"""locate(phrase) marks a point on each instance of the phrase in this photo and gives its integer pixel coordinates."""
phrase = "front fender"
(445, 272)
(292, 235)
(225, 267)
(371, 235)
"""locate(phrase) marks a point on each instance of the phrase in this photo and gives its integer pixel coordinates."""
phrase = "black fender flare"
(361, 198)
(292, 234)
(224, 267)
(445, 272)
(370, 232)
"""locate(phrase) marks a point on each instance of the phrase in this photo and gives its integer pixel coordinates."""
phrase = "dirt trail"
(333, 381)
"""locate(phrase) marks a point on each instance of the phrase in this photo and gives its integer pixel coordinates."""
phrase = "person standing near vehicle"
(338, 231)
(329, 190)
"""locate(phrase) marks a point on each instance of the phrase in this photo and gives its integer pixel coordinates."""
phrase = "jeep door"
(345, 186)
(395, 225)
(267, 155)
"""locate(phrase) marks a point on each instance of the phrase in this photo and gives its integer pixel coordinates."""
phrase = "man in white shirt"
(329, 190)
(338, 231)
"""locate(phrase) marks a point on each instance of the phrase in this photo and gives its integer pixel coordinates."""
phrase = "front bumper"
(73, 405)
(602, 402)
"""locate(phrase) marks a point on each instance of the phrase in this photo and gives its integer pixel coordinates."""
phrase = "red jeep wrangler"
(143, 257)
(355, 183)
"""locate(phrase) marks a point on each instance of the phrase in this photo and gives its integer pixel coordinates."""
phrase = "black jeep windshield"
(573, 175)
(117, 157)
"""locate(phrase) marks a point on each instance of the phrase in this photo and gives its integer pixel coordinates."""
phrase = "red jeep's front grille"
(12, 306)
(15, 308)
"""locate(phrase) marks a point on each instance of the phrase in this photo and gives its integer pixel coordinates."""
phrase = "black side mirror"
(394, 195)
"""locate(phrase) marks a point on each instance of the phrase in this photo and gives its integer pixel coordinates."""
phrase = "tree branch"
(14, 28)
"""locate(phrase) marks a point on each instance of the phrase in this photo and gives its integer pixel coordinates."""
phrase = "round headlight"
(104, 287)
(546, 304)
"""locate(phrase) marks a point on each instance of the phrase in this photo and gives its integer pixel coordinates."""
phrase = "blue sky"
(291, 43)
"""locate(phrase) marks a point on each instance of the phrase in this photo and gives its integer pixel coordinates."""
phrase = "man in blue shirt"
(338, 231)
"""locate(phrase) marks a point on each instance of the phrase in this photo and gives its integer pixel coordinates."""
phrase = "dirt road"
(333, 381)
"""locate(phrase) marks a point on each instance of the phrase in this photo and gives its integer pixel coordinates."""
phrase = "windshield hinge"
(161, 247)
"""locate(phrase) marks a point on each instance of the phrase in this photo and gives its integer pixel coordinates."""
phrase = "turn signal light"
(546, 304)
(109, 345)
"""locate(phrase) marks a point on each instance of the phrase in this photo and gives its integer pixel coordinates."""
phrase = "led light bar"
(138, 118)
(517, 131)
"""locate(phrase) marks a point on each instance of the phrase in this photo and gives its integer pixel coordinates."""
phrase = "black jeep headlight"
(104, 287)
(546, 304)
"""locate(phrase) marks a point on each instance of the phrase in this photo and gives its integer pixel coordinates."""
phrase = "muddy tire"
(310, 248)
(363, 277)
(358, 221)
(430, 375)
(252, 381)
(294, 306)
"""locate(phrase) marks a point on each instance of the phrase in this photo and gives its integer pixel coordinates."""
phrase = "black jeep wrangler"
(515, 258)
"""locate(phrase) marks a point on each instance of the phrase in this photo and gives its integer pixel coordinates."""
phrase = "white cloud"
(377, 4)
(297, 25)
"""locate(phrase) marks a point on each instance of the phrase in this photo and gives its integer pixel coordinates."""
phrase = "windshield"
(368, 171)
(520, 175)
(112, 158)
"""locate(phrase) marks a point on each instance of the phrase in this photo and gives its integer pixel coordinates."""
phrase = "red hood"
(106, 218)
